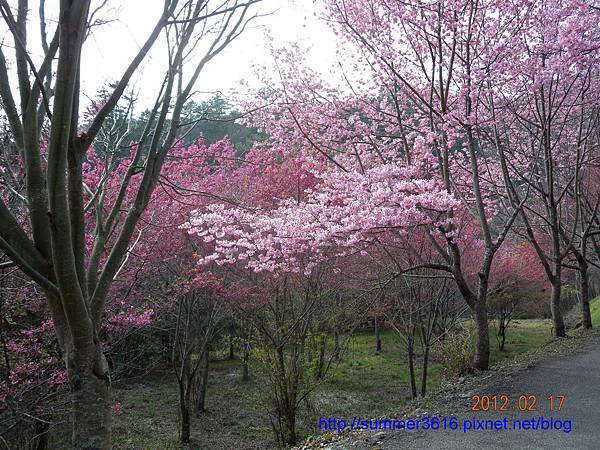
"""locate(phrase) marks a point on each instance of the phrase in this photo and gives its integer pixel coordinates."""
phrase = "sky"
(111, 47)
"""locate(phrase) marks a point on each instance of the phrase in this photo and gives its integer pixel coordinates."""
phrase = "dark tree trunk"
(425, 367)
(411, 366)
(584, 288)
(185, 396)
(555, 308)
(231, 353)
(287, 426)
(184, 407)
(377, 336)
(91, 407)
(201, 406)
(481, 360)
(478, 305)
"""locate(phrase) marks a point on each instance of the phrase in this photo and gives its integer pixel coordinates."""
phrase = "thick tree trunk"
(91, 408)
(287, 426)
(557, 317)
(184, 407)
(478, 305)
(481, 360)
(584, 288)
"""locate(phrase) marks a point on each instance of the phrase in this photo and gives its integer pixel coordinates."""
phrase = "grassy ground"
(363, 384)
(149, 414)
(595, 308)
(521, 337)
(366, 384)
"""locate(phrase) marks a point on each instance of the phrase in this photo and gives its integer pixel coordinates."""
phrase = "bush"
(455, 351)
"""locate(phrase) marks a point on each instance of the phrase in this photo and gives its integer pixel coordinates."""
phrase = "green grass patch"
(367, 384)
(595, 309)
(522, 336)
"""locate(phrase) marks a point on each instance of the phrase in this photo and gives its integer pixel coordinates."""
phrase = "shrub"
(455, 351)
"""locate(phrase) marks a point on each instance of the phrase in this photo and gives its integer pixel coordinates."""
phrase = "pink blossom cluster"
(342, 210)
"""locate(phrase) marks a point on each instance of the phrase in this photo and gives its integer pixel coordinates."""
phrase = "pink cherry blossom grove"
(230, 256)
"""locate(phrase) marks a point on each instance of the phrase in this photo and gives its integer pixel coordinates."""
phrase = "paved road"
(576, 376)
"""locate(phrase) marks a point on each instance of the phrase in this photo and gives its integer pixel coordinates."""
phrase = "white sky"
(111, 47)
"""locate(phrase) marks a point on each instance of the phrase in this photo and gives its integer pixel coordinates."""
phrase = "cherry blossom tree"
(454, 97)
(51, 250)
(548, 123)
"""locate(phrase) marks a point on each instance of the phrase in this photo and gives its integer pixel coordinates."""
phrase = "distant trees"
(517, 286)
(215, 119)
